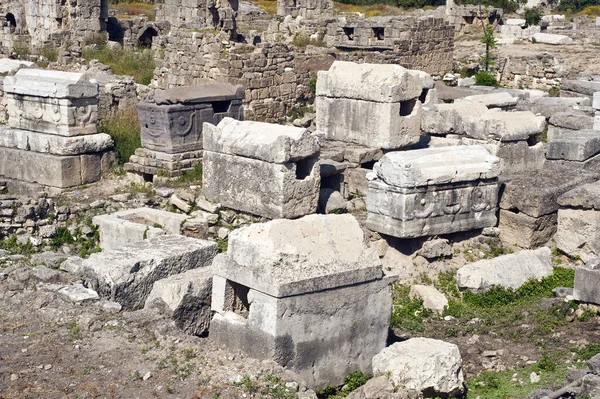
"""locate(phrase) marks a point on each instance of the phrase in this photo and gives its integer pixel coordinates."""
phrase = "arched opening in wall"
(10, 20)
(116, 33)
(145, 39)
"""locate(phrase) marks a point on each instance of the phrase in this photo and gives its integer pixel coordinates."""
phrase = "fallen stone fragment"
(427, 365)
(432, 298)
(509, 271)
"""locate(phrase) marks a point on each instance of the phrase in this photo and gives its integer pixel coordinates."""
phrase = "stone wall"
(539, 71)
(41, 21)
(198, 14)
(279, 76)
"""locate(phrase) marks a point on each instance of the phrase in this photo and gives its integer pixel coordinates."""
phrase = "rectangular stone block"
(63, 103)
(173, 123)
(577, 233)
(410, 213)
(52, 143)
(578, 145)
(521, 230)
(587, 281)
(50, 170)
(261, 188)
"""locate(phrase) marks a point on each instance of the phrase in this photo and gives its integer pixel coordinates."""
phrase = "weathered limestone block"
(133, 225)
(368, 104)
(579, 222)
(258, 140)
(52, 170)
(127, 274)
(578, 145)
(272, 172)
(188, 297)
(524, 231)
(587, 282)
(500, 99)
(54, 144)
(509, 271)
(431, 297)
(450, 118)
(548, 38)
(433, 191)
(173, 122)
(427, 365)
(63, 103)
(306, 293)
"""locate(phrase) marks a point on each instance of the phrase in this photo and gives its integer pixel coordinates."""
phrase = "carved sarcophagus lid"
(433, 191)
(173, 122)
(63, 103)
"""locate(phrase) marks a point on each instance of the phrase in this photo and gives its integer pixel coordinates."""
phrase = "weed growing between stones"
(139, 64)
(124, 128)
(352, 381)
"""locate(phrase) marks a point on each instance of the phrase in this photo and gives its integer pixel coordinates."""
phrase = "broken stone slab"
(572, 120)
(436, 249)
(78, 293)
(430, 366)
(53, 170)
(450, 118)
(127, 274)
(432, 166)
(173, 123)
(548, 38)
(261, 188)
(509, 271)
(517, 156)
(585, 196)
(291, 257)
(524, 231)
(536, 193)
(587, 281)
(505, 126)
(370, 104)
(362, 155)
(431, 297)
(188, 297)
(8, 65)
(63, 103)
(548, 106)
(577, 233)
(122, 228)
(500, 99)
(258, 140)
(574, 146)
(54, 144)
(585, 87)
(331, 168)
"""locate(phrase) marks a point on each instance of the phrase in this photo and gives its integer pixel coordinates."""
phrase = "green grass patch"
(124, 128)
(123, 61)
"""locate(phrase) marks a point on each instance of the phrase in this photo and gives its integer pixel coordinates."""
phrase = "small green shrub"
(21, 50)
(554, 91)
(49, 52)
(408, 313)
(124, 128)
(355, 380)
(483, 78)
(588, 352)
(532, 16)
(301, 40)
(63, 236)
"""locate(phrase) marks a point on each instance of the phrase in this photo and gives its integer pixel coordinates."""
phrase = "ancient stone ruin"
(171, 126)
(307, 293)
(51, 138)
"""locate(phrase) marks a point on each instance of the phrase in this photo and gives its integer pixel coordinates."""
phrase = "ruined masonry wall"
(278, 77)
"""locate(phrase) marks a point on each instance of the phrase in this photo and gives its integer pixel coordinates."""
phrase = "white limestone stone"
(426, 365)
(432, 166)
(505, 126)
(8, 65)
(499, 99)
(258, 140)
(587, 280)
(126, 275)
(509, 271)
(49, 83)
(432, 298)
(548, 38)
(54, 144)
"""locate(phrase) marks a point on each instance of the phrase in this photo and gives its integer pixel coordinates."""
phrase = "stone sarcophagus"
(372, 105)
(433, 191)
(55, 102)
(261, 168)
(305, 293)
(173, 122)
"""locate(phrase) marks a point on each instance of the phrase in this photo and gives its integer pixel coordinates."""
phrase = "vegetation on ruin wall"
(124, 10)
(370, 10)
(123, 61)
(576, 5)
(124, 128)
(269, 6)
